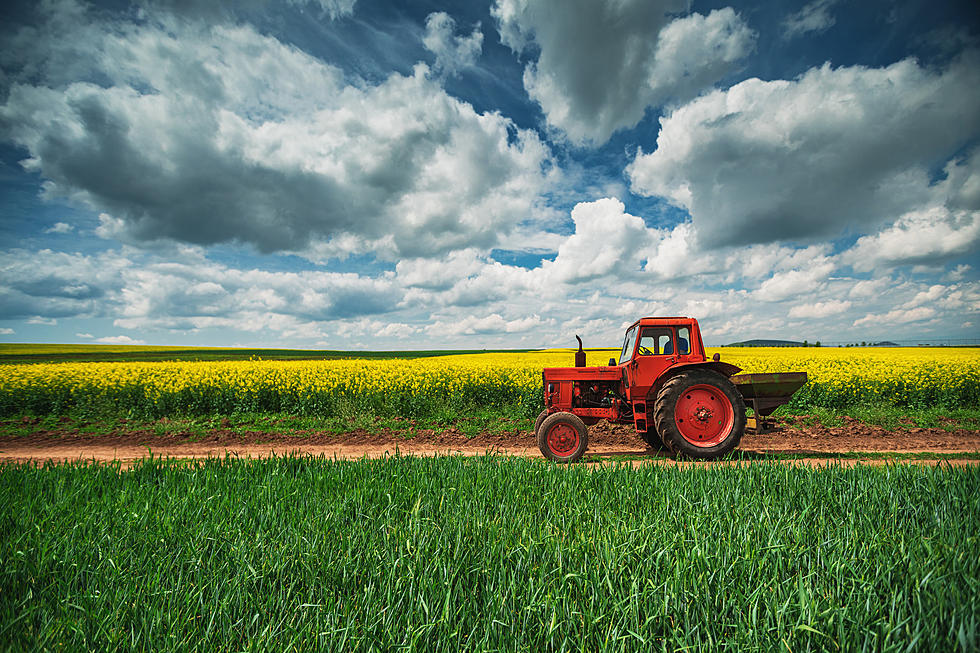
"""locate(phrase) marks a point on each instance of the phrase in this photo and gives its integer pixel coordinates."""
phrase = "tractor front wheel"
(563, 437)
(700, 414)
(541, 417)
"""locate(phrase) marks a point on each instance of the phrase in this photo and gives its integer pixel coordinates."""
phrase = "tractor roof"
(664, 321)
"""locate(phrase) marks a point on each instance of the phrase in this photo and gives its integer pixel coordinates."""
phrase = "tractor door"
(655, 352)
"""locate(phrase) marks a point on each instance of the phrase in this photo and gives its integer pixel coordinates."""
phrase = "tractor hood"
(603, 373)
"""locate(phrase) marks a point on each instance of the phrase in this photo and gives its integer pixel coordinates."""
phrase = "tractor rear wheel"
(541, 416)
(563, 437)
(700, 414)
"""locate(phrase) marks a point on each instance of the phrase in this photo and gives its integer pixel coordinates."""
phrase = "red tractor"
(666, 387)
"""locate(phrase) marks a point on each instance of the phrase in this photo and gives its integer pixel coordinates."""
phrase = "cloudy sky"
(505, 173)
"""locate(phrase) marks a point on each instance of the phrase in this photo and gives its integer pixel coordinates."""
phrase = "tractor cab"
(653, 345)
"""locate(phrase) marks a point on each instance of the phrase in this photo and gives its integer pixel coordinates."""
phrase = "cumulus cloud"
(820, 309)
(959, 272)
(187, 297)
(600, 65)
(55, 284)
(120, 340)
(897, 316)
(6, 331)
(814, 17)
(468, 299)
(607, 240)
(837, 150)
(142, 292)
(453, 53)
(930, 235)
(220, 134)
(493, 323)
(795, 283)
(60, 228)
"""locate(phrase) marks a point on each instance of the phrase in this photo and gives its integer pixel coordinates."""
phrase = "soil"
(801, 438)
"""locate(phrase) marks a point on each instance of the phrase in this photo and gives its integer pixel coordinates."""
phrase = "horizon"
(335, 174)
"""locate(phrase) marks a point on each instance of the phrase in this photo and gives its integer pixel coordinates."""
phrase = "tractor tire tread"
(575, 422)
(663, 416)
(541, 417)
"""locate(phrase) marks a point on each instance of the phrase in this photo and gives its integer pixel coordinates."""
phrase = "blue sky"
(353, 174)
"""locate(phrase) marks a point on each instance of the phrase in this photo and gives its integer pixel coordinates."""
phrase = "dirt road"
(799, 438)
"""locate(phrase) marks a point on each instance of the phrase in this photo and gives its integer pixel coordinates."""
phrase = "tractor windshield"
(628, 346)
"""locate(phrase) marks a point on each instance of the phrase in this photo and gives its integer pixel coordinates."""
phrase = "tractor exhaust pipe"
(580, 354)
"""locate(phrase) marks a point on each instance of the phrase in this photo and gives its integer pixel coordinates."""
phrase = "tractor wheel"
(563, 437)
(541, 416)
(700, 414)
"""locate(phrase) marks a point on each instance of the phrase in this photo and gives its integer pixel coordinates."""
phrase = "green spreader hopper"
(764, 393)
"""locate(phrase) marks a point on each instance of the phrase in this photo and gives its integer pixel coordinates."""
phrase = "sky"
(351, 174)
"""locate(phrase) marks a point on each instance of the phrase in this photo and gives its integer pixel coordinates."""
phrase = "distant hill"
(766, 343)
(886, 343)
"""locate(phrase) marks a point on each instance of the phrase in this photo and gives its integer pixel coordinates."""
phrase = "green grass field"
(488, 554)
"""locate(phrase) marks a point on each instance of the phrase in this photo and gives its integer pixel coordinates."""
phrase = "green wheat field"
(489, 554)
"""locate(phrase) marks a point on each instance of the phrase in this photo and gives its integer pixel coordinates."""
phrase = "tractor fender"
(726, 369)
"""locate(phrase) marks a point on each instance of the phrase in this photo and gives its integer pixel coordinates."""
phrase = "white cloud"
(869, 288)
(931, 234)
(119, 340)
(6, 331)
(926, 297)
(607, 240)
(48, 285)
(800, 283)
(453, 53)
(469, 300)
(187, 297)
(897, 316)
(333, 8)
(220, 134)
(87, 336)
(818, 156)
(493, 323)
(959, 272)
(820, 309)
(59, 228)
(43, 321)
(676, 255)
(601, 64)
(814, 17)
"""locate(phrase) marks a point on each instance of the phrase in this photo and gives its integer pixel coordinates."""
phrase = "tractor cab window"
(655, 341)
(628, 346)
(683, 341)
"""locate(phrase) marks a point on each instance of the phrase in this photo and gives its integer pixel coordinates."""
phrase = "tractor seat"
(682, 342)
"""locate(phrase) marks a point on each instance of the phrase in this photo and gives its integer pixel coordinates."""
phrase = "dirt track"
(797, 437)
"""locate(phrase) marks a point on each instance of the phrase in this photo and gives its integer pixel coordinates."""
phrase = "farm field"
(443, 387)
(452, 553)
(287, 514)
(920, 400)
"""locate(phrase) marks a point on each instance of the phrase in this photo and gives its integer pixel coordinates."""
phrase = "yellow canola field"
(844, 376)
(839, 377)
